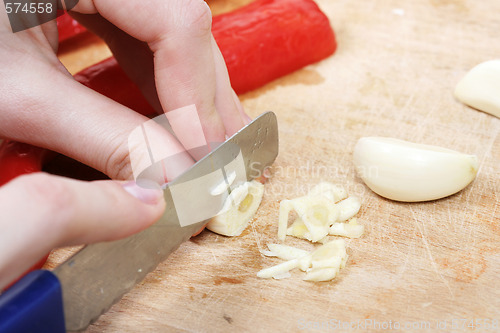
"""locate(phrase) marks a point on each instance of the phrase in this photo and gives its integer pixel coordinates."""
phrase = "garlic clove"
(286, 252)
(348, 208)
(406, 171)
(480, 87)
(239, 208)
(278, 270)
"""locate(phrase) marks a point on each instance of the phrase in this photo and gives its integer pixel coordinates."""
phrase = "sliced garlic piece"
(329, 255)
(267, 253)
(278, 270)
(224, 185)
(286, 252)
(406, 171)
(320, 275)
(316, 212)
(305, 263)
(331, 191)
(348, 208)
(297, 229)
(285, 209)
(282, 276)
(480, 87)
(239, 208)
(350, 230)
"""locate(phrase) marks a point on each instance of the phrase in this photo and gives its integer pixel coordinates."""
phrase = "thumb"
(40, 212)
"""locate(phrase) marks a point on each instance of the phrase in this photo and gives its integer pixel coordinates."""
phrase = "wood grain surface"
(419, 265)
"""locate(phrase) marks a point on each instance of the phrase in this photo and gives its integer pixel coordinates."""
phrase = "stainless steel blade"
(100, 274)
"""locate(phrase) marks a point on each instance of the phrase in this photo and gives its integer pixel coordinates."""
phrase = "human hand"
(43, 105)
(40, 212)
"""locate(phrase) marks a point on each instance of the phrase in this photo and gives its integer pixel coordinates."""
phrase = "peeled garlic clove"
(286, 252)
(406, 171)
(278, 270)
(348, 208)
(239, 208)
(319, 275)
(480, 87)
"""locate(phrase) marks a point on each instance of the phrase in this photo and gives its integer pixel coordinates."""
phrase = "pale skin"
(165, 44)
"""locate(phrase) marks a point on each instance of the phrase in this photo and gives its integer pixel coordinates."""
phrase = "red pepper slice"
(68, 27)
(260, 42)
(267, 39)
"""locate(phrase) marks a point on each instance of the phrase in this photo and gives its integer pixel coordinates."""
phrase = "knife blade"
(99, 275)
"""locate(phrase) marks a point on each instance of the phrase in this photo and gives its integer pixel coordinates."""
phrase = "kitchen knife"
(86, 285)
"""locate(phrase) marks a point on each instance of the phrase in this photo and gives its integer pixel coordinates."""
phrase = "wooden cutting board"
(424, 265)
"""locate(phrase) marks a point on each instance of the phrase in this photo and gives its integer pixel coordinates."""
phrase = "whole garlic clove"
(411, 172)
(480, 87)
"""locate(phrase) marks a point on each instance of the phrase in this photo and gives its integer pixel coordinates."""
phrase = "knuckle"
(195, 15)
(117, 164)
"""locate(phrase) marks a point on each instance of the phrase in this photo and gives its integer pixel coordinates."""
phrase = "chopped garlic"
(279, 269)
(321, 275)
(331, 191)
(350, 230)
(239, 208)
(348, 208)
(329, 255)
(322, 264)
(316, 212)
(286, 252)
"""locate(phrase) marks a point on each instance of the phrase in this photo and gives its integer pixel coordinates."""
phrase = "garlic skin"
(411, 172)
(239, 208)
(480, 87)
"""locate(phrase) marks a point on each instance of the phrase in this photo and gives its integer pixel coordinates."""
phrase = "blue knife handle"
(33, 304)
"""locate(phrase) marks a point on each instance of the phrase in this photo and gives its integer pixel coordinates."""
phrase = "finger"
(71, 119)
(42, 212)
(134, 56)
(225, 104)
(179, 34)
(246, 118)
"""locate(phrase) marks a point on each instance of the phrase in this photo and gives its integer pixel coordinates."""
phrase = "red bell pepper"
(260, 42)
(68, 27)
(267, 39)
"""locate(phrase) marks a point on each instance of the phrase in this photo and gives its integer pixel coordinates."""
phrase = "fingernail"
(147, 191)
